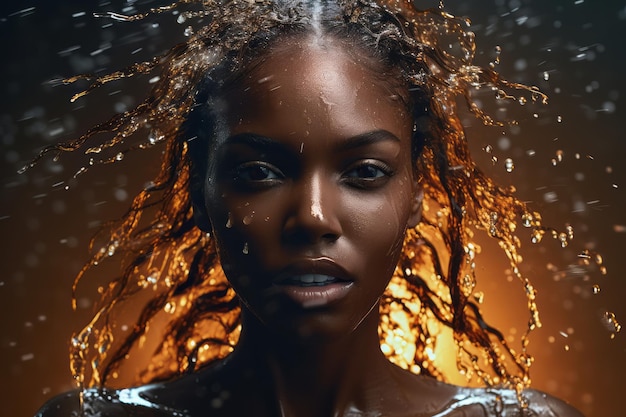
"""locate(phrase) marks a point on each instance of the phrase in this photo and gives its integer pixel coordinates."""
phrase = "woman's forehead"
(309, 82)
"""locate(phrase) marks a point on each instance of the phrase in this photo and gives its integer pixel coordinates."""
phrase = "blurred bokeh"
(568, 162)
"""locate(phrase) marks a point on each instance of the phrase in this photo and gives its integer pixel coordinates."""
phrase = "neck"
(313, 377)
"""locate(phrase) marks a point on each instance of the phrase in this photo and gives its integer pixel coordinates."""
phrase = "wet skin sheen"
(312, 179)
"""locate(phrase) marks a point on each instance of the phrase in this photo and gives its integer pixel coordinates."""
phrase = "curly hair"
(171, 266)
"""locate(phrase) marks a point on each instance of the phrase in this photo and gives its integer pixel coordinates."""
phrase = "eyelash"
(383, 169)
(248, 168)
(243, 174)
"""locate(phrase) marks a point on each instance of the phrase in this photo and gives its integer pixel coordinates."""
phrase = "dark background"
(46, 229)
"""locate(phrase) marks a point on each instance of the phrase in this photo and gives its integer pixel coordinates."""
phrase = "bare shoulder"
(506, 403)
(63, 405)
(502, 402)
(104, 403)
(548, 405)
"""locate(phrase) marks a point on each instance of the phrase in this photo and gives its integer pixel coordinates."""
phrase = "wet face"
(311, 189)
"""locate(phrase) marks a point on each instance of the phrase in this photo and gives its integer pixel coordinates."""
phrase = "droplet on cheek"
(248, 219)
(229, 221)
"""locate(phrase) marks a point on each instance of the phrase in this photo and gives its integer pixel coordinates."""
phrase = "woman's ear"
(416, 208)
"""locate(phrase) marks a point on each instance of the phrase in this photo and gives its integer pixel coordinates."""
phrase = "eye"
(257, 172)
(366, 171)
(368, 174)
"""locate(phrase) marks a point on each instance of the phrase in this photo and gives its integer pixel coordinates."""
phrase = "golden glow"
(184, 314)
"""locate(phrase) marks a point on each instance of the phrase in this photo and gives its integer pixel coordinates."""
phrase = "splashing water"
(176, 87)
(611, 324)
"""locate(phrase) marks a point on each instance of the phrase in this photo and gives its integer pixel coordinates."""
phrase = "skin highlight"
(294, 185)
(317, 205)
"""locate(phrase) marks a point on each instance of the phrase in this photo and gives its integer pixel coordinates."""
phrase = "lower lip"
(316, 296)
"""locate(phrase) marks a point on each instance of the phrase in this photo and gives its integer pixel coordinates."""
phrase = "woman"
(316, 203)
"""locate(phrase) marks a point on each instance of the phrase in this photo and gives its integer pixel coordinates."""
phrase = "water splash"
(611, 324)
(509, 166)
(316, 18)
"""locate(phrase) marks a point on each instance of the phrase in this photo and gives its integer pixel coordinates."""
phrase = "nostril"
(330, 237)
(303, 235)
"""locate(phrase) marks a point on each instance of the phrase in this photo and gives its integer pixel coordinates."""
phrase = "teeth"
(307, 279)
(321, 278)
(312, 279)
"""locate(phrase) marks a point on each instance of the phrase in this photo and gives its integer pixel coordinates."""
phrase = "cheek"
(243, 229)
(381, 228)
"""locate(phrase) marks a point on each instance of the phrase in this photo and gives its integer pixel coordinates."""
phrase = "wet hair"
(189, 313)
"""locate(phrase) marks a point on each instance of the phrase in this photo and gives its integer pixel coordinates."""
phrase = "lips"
(314, 282)
(310, 280)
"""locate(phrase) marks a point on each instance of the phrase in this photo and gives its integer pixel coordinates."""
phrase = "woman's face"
(311, 189)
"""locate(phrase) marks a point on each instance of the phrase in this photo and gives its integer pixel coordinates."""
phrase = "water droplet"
(111, 249)
(598, 259)
(96, 149)
(80, 171)
(188, 31)
(245, 249)
(170, 307)
(229, 221)
(595, 289)
(527, 219)
(247, 219)
(537, 235)
(479, 297)
(153, 277)
(155, 137)
(559, 119)
(493, 220)
(546, 75)
(610, 323)
(509, 165)
(559, 155)
(619, 228)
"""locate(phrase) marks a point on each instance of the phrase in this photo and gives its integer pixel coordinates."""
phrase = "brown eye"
(368, 174)
(366, 171)
(257, 172)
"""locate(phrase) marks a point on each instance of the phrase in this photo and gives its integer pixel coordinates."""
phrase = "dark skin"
(313, 180)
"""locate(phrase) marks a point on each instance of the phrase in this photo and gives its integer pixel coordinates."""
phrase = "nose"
(313, 217)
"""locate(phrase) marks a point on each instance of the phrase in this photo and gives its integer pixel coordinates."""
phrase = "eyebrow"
(365, 139)
(268, 144)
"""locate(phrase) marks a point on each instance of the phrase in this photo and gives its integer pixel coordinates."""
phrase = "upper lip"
(322, 266)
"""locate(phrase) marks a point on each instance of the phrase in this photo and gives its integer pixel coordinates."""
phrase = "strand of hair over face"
(190, 314)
